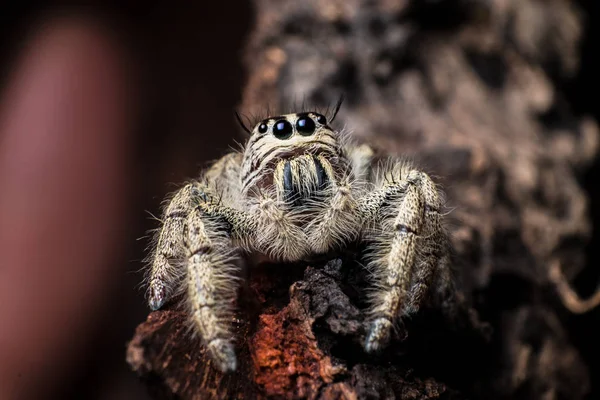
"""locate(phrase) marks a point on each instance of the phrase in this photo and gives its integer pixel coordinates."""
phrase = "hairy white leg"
(196, 241)
(211, 285)
(406, 249)
(393, 266)
(432, 247)
(164, 271)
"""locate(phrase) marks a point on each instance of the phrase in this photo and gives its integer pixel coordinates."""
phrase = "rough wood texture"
(467, 89)
(306, 343)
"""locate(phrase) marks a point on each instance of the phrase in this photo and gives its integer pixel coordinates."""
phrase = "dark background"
(186, 60)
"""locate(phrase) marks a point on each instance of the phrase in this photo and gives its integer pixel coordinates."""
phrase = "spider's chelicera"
(300, 189)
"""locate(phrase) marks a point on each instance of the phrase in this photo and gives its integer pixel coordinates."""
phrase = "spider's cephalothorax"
(298, 155)
(299, 190)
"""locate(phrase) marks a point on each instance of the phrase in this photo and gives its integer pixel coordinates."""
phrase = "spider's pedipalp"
(279, 236)
(336, 223)
(444, 285)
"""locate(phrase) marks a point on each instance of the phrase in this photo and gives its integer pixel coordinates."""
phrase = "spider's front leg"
(164, 272)
(198, 234)
(212, 274)
(407, 244)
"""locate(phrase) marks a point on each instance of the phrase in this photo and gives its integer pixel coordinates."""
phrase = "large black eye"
(282, 129)
(262, 128)
(305, 125)
(321, 119)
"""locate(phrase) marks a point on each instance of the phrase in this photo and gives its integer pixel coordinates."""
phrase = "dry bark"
(468, 90)
(305, 342)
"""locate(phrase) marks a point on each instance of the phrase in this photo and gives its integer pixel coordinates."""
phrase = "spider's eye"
(321, 119)
(305, 125)
(282, 129)
(262, 128)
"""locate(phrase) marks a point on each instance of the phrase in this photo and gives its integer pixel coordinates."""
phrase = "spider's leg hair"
(154, 217)
(409, 252)
(239, 147)
(212, 281)
(164, 270)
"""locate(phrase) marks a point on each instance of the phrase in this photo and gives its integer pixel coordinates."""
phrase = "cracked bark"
(468, 90)
(305, 343)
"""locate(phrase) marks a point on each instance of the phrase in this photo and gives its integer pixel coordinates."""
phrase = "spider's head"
(295, 153)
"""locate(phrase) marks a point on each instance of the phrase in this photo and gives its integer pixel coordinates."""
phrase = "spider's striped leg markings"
(164, 272)
(432, 256)
(200, 234)
(212, 275)
(399, 212)
(165, 269)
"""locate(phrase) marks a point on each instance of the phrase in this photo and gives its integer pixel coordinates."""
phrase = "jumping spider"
(299, 189)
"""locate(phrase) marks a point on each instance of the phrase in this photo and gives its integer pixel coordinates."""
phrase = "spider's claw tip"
(156, 304)
(157, 298)
(379, 335)
(223, 354)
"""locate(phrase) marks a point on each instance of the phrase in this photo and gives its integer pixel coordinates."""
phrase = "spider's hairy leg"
(201, 234)
(163, 272)
(212, 276)
(433, 256)
(393, 267)
(405, 249)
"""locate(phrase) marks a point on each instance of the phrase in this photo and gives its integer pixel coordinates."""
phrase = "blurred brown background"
(153, 86)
